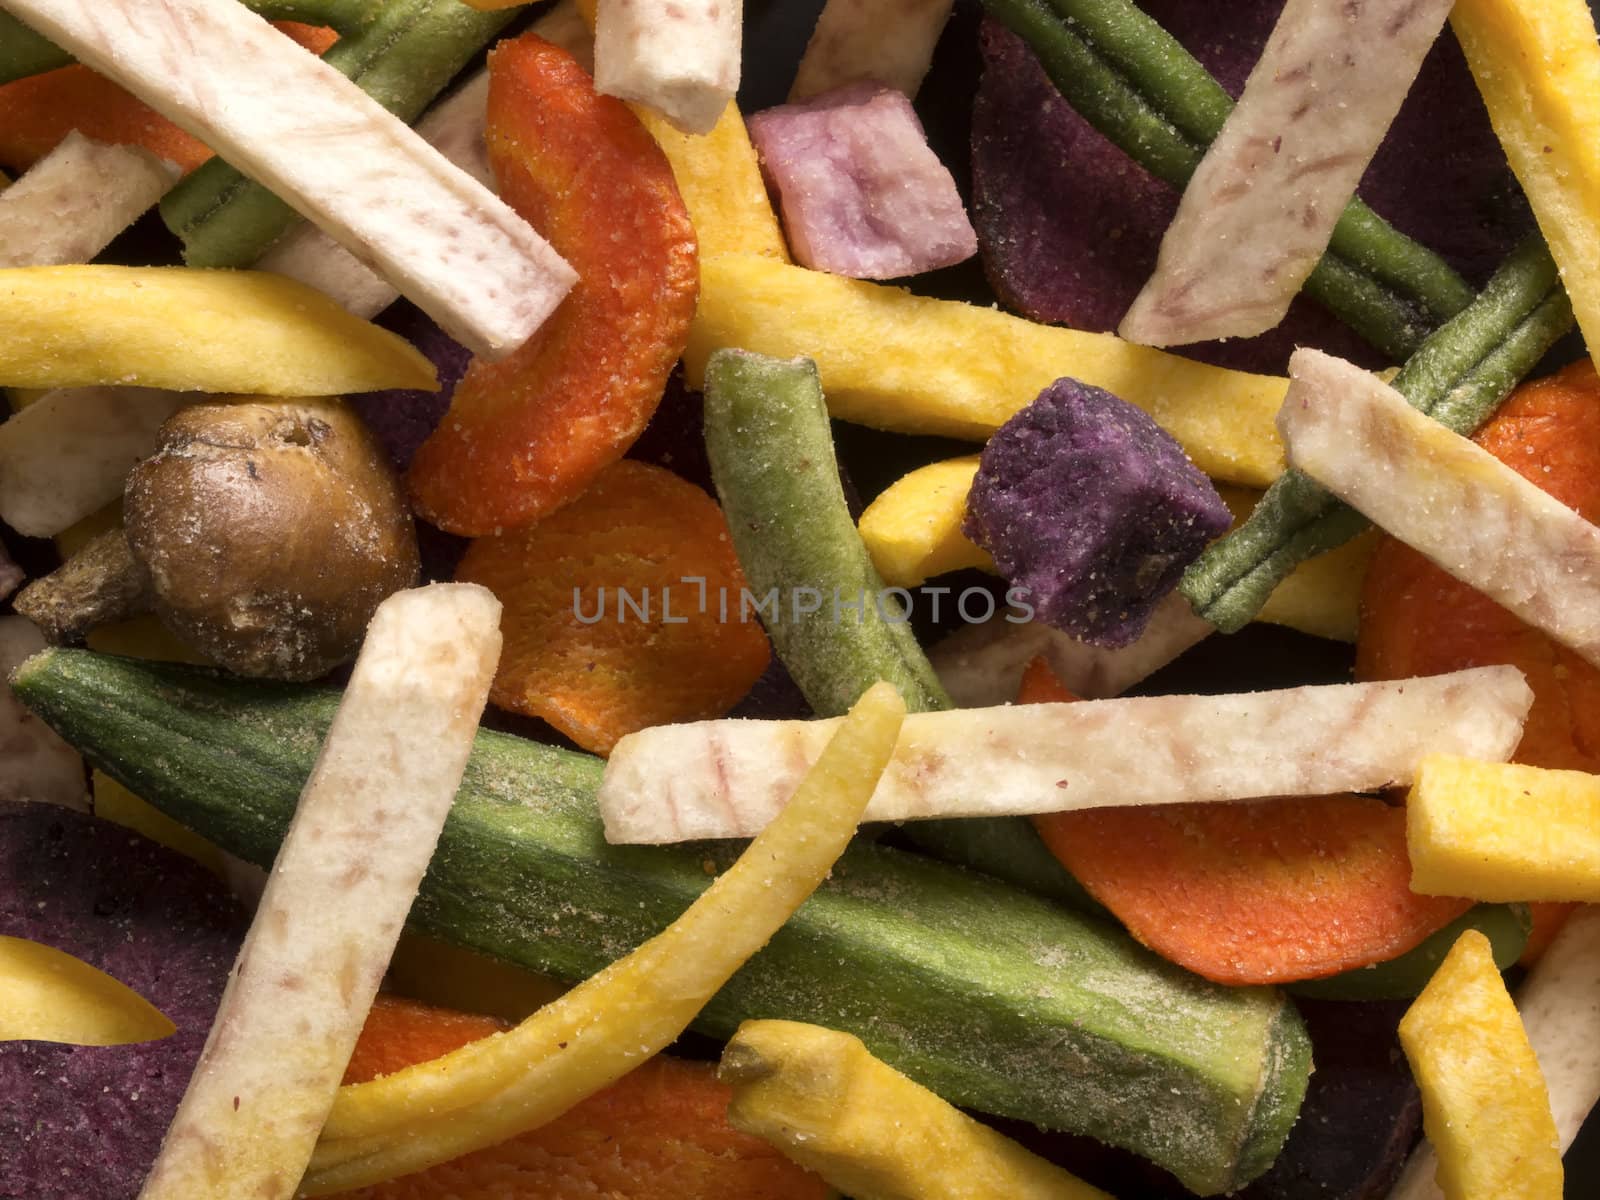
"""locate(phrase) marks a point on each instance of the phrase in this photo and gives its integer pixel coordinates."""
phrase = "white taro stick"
(1445, 496)
(341, 887)
(888, 41)
(1560, 1007)
(679, 57)
(1261, 206)
(70, 204)
(982, 665)
(292, 122)
(38, 765)
(729, 778)
(455, 128)
(68, 454)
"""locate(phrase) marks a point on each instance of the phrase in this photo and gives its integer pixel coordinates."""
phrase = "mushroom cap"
(270, 530)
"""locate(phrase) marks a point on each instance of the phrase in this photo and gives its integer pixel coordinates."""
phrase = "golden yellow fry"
(1537, 64)
(191, 330)
(500, 1086)
(913, 529)
(719, 178)
(1503, 832)
(47, 995)
(908, 364)
(1484, 1103)
(822, 1099)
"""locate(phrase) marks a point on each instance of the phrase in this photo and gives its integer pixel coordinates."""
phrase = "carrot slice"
(1252, 893)
(526, 435)
(659, 1133)
(597, 666)
(37, 111)
(1416, 619)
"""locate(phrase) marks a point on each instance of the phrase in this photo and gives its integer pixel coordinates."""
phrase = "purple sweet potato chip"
(1093, 508)
(402, 418)
(1069, 226)
(861, 192)
(86, 1121)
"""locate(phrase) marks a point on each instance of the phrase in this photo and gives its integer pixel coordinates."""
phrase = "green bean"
(1133, 82)
(24, 52)
(402, 59)
(1458, 377)
(1507, 927)
(773, 464)
(772, 460)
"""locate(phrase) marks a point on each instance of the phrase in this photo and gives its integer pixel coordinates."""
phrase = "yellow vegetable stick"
(1537, 64)
(191, 330)
(495, 1088)
(908, 364)
(913, 529)
(822, 1099)
(913, 532)
(1484, 1103)
(1503, 832)
(719, 178)
(47, 995)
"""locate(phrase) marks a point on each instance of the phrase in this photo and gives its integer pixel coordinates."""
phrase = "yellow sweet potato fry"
(190, 330)
(913, 532)
(47, 995)
(493, 1089)
(828, 1104)
(1537, 64)
(1484, 1103)
(913, 529)
(1500, 831)
(908, 364)
(719, 178)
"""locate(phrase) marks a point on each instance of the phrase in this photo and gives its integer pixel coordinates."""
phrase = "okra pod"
(403, 58)
(1458, 377)
(1133, 82)
(24, 52)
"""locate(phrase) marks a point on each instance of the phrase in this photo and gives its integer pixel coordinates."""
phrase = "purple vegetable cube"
(861, 192)
(1093, 508)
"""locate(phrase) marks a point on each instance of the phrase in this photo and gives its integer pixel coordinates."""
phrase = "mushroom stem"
(99, 584)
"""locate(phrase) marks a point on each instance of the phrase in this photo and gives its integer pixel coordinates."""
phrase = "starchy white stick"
(1445, 496)
(889, 41)
(69, 205)
(1261, 206)
(729, 778)
(680, 57)
(341, 887)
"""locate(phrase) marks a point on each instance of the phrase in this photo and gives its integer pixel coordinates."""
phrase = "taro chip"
(862, 193)
(1093, 508)
(82, 1121)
